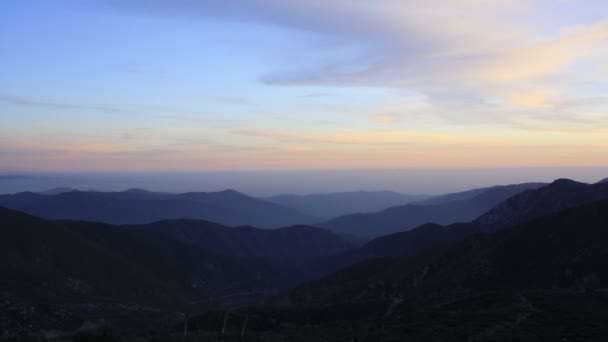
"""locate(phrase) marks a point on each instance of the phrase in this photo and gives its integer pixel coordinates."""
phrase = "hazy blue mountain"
(55, 191)
(523, 207)
(445, 210)
(291, 246)
(136, 206)
(456, 196)
(562, 193)
(327, 206)
(605, 180)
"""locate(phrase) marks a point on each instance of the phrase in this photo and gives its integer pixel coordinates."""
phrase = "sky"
(232, 85)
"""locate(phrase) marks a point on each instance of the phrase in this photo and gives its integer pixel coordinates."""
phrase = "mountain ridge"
(403, 218)
(331, 205)
(137, 206)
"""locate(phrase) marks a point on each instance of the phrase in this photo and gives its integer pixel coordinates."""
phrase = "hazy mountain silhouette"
(520, 208)
(327, 206)
(137, 206)
(55, 191)
(291, 246)
(446, 209)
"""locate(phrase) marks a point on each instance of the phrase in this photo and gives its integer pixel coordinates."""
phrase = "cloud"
(30, 102)
(502, 51)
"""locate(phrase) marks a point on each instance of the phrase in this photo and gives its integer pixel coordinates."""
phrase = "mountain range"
(290, 246)
(544, 280)
(527, 205)
(71, 263)
(87, 268)
(328, 206)
(535, 259)
(446, 209)
(137, 206)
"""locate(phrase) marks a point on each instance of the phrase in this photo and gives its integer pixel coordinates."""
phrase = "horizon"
(303, 182)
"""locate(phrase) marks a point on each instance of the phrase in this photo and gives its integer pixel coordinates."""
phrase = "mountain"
(327, 206)
(544, 280)
(136, 206)
(468, 206)
(568, 249)
(456, 196)
(78, 267)
(560, 194)
(605, 180)
(291, 246)
(56, 191)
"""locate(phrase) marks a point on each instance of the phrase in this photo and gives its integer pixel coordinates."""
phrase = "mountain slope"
(82, 261)
(292, 245)
(406, 217)
(562, 193)
(61, 272)
(139, 206)
(568, 249)
(327, 206)
(544, 280)
(523, 207)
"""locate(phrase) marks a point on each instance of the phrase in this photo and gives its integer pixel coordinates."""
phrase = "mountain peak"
(230, 192)
(137, 190)
(565, 182)
(605, 180)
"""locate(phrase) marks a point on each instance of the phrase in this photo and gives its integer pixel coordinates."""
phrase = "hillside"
(79, 268)
(289, 246)
(544, 280)
(564, 250)
(444, 210)
(523, 207)
(328, 206)
(137, 206)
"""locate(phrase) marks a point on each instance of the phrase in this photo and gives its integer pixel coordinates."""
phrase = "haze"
(268, 183)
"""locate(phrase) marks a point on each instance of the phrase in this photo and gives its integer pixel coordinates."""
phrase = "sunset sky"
(187, 85)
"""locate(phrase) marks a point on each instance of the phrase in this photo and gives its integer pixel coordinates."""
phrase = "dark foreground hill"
(54, 273)
(328, 206)
(292, 246)
(567, 250)
(545, 280)
(446, 209)
(135, 206)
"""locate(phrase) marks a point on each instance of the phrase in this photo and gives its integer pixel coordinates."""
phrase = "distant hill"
(138, 206)
(55, 191)
(286, 246)
(523, 207)
(327, 206)
(456, 196)
(446, 209)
